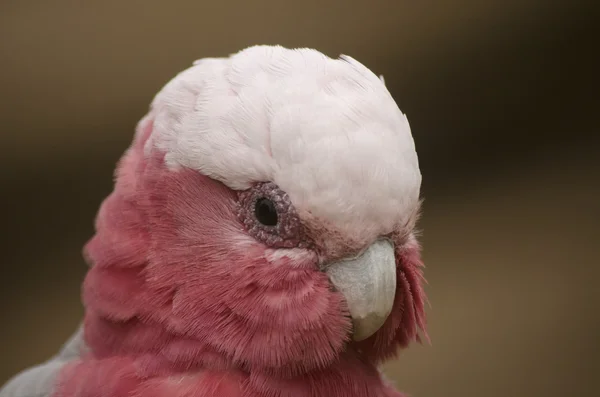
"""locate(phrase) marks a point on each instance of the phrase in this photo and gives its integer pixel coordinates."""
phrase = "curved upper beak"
(368, 283)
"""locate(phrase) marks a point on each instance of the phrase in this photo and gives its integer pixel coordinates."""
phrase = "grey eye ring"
(269, 216)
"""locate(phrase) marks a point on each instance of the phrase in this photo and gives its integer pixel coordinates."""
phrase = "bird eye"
(265, 212)
(268, 215)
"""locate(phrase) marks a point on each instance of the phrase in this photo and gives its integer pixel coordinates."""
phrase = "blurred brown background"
(502, 97)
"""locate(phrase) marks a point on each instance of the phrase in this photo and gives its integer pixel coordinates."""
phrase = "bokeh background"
(502, 97)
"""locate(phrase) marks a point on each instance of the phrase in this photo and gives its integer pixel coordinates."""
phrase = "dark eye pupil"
(265, 212)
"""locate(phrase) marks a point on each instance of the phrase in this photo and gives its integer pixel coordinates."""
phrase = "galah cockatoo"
(259, 241)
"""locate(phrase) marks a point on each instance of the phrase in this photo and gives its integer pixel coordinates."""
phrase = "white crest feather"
(327, 131)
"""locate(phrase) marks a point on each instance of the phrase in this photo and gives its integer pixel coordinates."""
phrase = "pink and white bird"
(259, 241)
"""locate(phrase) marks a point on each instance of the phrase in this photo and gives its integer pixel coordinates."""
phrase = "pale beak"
(368, 282)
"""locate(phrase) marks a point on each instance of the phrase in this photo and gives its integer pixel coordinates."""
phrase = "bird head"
(264, 218)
